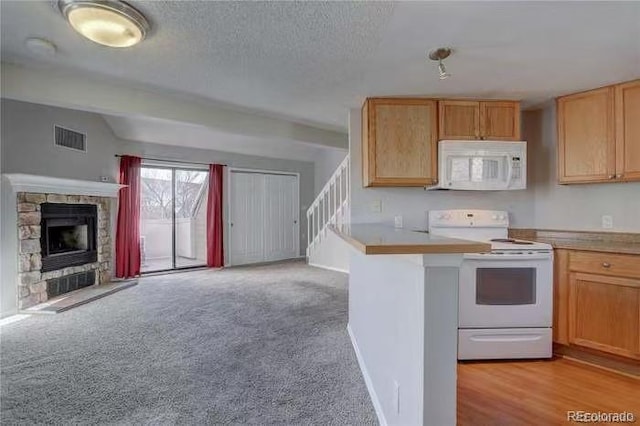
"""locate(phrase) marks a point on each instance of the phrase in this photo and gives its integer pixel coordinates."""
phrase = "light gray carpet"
(254, 345)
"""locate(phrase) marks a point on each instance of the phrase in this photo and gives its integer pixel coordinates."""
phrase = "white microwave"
(482, 165)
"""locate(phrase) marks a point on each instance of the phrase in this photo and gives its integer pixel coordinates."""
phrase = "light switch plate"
(607, 221)
(397, 221)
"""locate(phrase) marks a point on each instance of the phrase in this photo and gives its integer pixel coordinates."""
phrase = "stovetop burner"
(511, 240)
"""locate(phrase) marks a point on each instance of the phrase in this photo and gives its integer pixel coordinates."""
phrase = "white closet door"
(246, 236)
(281, 217)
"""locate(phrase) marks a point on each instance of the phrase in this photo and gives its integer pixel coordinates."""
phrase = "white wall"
(403, 323)
(326, 163)
(573, 207)
(413, 203)
(8, 248)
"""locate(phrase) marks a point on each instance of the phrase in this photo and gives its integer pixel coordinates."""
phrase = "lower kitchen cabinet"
(604, 313)
(597, 302)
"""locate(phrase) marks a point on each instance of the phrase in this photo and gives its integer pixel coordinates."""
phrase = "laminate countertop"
(600, 246)
(605, 242)
(381, 239)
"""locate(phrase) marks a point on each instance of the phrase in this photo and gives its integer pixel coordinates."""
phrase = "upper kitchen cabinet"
(599, 135)
(586, 137)
(627, 114)
(482, 120)
(399, 142)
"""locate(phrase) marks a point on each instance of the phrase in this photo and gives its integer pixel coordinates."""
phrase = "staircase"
(331, 207)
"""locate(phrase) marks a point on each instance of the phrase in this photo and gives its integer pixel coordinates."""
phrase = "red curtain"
(215, 254)
(128, 229)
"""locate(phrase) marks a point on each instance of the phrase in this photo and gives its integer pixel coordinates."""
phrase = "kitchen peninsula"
(403, 319)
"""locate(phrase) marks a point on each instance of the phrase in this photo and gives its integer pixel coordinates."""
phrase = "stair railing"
(331, 206)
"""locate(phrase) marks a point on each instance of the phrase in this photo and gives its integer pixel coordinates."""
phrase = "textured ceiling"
(311, 61)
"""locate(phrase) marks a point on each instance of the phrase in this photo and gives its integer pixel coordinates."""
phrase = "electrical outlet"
(376, 206)
(607, 221)
(396, 396)
(105, 179)
(397, 221)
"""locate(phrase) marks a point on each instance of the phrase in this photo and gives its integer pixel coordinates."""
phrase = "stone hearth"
(32, 282)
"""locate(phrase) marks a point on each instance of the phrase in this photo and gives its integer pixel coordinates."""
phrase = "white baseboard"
(331, 268)
(367, 380)
(13, 318)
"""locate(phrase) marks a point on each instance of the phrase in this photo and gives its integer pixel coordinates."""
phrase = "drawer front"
(620, 265)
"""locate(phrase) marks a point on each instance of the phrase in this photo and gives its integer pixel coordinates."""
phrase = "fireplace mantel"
(21, 182)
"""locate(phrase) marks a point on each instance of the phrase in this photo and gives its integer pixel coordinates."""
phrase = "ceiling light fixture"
(111, 23)
(439, 55)
(41, 47)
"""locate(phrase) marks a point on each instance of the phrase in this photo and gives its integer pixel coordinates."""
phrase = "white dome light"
(108, 22)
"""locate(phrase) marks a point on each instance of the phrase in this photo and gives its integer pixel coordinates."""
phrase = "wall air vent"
(70, 139)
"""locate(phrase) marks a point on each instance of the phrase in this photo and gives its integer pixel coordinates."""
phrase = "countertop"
(590, 245)
(606, 242)
(381, 239)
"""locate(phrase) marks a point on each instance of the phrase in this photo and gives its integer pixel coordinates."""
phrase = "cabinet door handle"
(619, 176)
(612, 176)
(606, 265)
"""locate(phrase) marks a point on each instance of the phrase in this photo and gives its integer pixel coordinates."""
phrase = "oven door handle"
(507, 338)
(501, 257)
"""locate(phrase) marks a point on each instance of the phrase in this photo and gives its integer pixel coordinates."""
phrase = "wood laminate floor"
(540, 392)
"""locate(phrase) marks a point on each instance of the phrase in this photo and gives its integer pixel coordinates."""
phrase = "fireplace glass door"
(173, 218)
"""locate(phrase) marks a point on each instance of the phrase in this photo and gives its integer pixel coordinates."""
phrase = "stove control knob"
(494, 217)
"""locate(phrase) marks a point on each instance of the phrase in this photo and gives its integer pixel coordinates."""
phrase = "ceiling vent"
(70, 139)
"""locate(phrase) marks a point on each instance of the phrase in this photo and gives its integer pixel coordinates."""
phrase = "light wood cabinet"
(597, 302)
(599, 135)
(561, 297)
(604, 313)
(627, 113)
(399, 142)
(586, 138)
(478, 120)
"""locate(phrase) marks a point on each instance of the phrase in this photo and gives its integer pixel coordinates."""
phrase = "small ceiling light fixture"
(41, 47)
(439, 55)
(111, 23)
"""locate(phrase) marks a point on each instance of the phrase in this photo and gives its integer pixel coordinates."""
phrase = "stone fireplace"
(62, 238)
(64, 244)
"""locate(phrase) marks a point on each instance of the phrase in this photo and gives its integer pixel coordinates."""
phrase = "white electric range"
(506, 295)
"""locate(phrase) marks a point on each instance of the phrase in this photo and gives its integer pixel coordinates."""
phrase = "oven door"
(506, 290)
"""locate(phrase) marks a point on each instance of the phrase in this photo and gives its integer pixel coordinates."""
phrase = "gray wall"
(573, 207)
(413, 203)
(326, 163)
(27, 132)
(27, 147)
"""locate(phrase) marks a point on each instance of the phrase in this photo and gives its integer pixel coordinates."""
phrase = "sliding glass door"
(173, 218)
